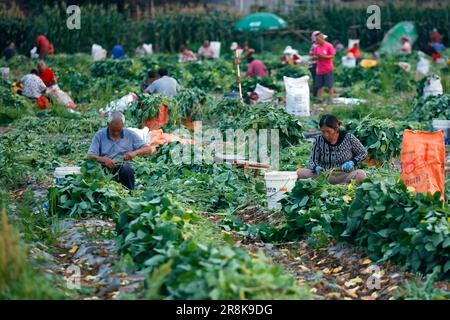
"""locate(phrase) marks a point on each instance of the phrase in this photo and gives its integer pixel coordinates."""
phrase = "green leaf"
(155, 260)
(437, 239)
(447, 266)
(430, 247)
(83, 205)
(304, 201)
(384, 233)
(446, 242)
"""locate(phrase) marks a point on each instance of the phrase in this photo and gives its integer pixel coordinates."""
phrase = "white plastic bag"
(297, 96)
(148, 48)
(348, 62)
(264, 94)
(59, 96)
(215, 47)
(348, 101)
(4, 72)
(433, 86)
(98, 53)
(143, 133)
(423, 66)
(33, 53)
(119, 105)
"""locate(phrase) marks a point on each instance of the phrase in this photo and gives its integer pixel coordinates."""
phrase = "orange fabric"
(188, 123)
(43, 103)
(157, 122)
(159, 138)
(423, 161)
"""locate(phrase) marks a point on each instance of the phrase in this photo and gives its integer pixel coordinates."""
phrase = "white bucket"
(277, 184)
(61, 172)
(4, 72)
(445, 126)
(348, 62)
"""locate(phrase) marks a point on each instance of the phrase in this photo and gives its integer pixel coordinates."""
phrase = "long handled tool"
(238, 72)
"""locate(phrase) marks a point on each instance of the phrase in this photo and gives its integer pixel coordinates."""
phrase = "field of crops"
(202, 230)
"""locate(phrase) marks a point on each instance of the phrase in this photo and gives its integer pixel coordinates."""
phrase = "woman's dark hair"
(163, 72)
(151, 74)
(34, 71)
(330, 121)
(250, 58)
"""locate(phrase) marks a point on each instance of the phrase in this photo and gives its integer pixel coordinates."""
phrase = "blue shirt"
(438, 46)
(166, 86)
(103, 146)
(118, 52)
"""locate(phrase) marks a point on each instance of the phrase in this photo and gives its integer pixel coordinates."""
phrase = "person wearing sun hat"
(290, 56)
(324, 53)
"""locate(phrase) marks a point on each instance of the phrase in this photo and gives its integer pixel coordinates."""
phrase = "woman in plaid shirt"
(335, 149)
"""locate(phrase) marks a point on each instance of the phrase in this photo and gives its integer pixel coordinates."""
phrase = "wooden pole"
(238, 71)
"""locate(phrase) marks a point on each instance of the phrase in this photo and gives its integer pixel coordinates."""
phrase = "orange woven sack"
(160, 120)
(423, 161)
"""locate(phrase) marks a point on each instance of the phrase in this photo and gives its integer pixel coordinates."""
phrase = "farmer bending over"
(335, 149)
(32, 86)
(115, 145)
(165, 85)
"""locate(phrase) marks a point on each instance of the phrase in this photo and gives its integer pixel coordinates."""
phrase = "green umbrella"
(260, 21)
(391, 43)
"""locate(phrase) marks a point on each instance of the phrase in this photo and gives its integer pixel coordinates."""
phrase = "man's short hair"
(115, 116)
(163, 72)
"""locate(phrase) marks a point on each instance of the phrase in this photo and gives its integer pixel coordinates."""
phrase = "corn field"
(171, 29)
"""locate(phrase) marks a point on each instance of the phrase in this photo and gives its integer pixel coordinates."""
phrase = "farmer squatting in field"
(115, 146)
(335, 149)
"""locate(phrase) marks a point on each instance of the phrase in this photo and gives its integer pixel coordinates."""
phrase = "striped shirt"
(328, 156)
